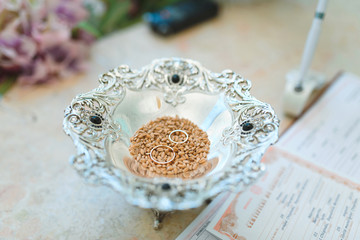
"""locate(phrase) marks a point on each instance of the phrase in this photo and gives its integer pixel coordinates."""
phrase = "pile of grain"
(189, 156)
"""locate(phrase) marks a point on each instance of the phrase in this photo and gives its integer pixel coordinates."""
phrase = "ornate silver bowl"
(239, 126)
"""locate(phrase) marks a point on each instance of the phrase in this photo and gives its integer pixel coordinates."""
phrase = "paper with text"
(329, 133)
(291, 201)
(197, 229)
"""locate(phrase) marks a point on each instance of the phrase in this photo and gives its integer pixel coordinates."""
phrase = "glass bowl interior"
(138, 108)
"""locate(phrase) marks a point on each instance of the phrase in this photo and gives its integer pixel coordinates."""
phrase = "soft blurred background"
(51, 51)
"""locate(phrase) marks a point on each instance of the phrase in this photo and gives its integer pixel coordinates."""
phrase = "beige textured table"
(42, 197)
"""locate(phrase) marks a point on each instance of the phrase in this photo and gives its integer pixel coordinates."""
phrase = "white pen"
(311, 43)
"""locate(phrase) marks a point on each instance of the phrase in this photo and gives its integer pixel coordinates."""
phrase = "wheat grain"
(189, 156)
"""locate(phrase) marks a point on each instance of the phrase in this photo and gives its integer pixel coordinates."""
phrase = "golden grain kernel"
(186, 175)
(203, 160)
(181, 165)
(187, 156)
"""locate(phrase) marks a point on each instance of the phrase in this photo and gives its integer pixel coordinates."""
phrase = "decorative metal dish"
(239, 126)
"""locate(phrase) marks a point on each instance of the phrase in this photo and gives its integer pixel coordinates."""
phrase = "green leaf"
(116, 12)
(86, 26)
(6, 84)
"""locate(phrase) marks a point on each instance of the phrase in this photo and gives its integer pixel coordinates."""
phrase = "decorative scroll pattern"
(88, 121)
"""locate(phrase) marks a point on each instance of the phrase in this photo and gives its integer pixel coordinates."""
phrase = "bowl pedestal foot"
(159, 217)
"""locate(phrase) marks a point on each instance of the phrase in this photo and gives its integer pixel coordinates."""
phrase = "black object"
(95, 119)
(166, 187)
(247, 126)
(181, 15)
(175, 78)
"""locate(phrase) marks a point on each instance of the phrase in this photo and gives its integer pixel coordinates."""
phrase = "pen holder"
(239, 127)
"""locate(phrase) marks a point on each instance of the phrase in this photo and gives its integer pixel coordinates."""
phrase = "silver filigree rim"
(103, 100)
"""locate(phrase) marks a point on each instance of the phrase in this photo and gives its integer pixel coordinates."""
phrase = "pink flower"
(16, 52)
(36, 40)
(70, 12)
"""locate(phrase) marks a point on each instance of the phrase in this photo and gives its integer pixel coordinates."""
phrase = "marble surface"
(42, 197)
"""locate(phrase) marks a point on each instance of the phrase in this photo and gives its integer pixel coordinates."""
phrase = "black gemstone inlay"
(165, 186)
(95, 119)
(247, 126)
(175, 78)
(208, 201)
